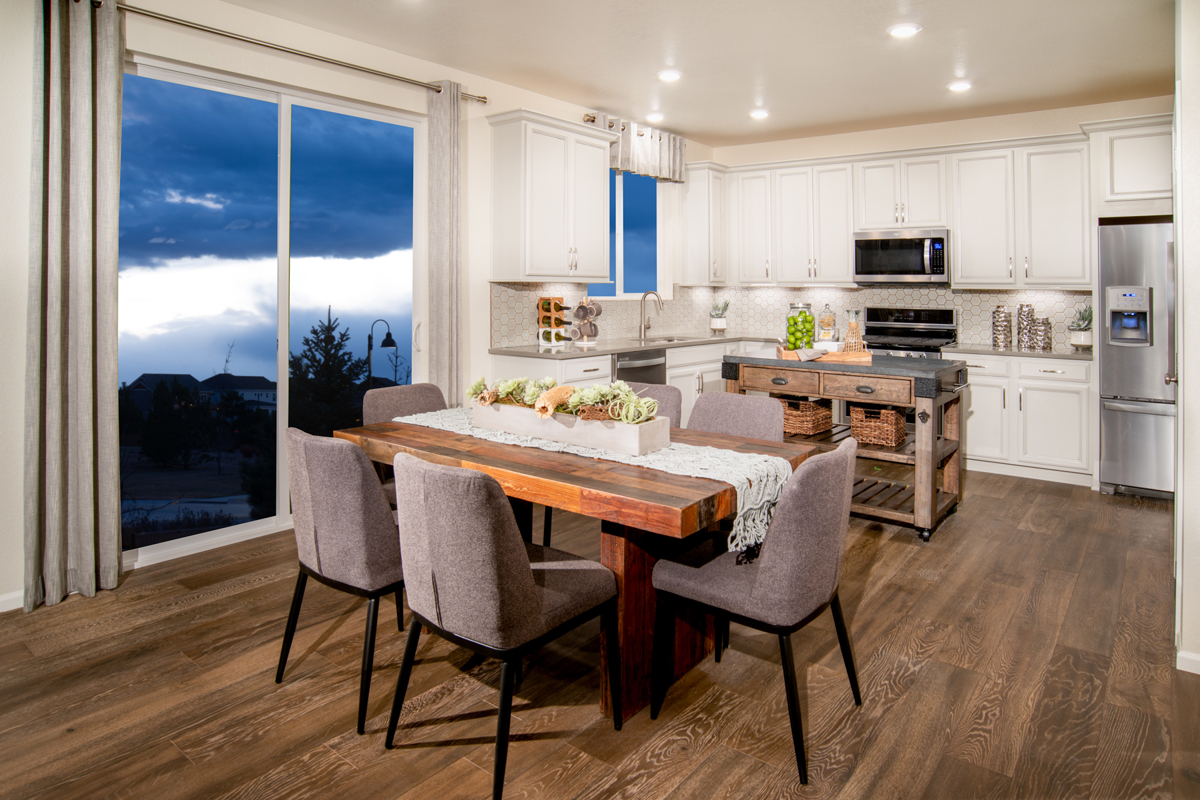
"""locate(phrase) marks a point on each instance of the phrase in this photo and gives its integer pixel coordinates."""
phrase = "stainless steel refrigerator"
(1134, 330)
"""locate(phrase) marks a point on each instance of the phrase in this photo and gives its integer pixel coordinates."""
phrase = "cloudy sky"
(199, 250)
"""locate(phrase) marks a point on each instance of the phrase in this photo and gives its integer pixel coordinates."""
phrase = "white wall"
(938, 134)
(16, 98)
(1187, 239)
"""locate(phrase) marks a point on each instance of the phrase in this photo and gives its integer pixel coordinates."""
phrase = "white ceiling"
(818, 66)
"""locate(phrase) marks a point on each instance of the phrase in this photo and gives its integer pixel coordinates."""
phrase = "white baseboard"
(1022, 471)
(200, 542)
(12, 600)
(1187, 662)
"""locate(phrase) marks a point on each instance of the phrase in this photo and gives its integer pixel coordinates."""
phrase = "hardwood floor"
(1025, 652)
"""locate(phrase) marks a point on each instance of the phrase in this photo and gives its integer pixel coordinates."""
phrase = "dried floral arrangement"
(615, 401)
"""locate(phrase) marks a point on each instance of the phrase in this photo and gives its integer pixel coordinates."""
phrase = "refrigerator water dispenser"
(1129, 315)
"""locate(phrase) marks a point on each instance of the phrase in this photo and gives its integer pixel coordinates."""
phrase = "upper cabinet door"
(716, 227)
(833, 249)
(548, 198)
(1053, 203)
(793, 225)
(589, 208)
(923, 192)
(754, 227)
(878, 195)
(983, 236)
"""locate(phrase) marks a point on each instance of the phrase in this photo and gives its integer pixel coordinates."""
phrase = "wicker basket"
(806, 417)
(877, 426)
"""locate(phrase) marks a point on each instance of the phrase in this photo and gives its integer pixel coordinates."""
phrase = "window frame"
(285, 97)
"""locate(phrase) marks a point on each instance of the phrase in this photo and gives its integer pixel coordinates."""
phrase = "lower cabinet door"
(1054, 424)
(687, 381)
(987, 429)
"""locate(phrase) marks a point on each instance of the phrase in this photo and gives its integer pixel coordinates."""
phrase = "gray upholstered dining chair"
(793, 580)
(738, 415)
(345, 537)
(384, 405)
(472, 580)
(670, 400)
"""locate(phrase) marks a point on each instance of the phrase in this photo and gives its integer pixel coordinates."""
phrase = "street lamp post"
(388, 343)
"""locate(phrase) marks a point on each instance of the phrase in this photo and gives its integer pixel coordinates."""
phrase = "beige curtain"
(72, 473)
(445, 264)
(644, 150)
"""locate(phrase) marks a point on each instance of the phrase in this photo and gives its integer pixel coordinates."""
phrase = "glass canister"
(827, 325)
(801, 325)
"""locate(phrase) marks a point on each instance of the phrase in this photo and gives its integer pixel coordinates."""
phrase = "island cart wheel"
(924, 534)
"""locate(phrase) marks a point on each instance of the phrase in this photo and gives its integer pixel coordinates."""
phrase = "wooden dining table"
(645, 515)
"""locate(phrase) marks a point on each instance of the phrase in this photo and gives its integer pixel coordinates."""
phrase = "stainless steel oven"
(902, 256)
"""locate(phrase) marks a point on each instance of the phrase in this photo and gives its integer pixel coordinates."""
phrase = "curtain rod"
(282, 49)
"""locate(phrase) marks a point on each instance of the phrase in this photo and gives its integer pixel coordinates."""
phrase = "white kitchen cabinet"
(1029, 412)
(901, 193)
(1053, 207)
(794, 211)
(753, 224)
(696, 370)
(706, 218)
(833, 250)
(570, 371)
(1020, 218)
(1136, 162)
(549, 199)
(812, 222)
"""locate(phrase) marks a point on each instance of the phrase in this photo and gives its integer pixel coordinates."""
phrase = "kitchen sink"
(657, 339)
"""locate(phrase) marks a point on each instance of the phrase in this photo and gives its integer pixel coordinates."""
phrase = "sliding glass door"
(261, 236)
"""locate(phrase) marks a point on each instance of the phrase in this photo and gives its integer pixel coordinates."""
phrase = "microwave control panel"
(937, 256)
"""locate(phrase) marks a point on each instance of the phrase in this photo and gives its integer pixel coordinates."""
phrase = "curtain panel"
(446, 322)
(72, 472)
(644, 150)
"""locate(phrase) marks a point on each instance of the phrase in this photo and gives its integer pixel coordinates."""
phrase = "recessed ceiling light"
(654, 116)
(760, 113)
(959, 86)
(670, 75)
(904, 30)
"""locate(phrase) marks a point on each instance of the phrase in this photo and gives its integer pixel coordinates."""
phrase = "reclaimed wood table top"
(639, 497)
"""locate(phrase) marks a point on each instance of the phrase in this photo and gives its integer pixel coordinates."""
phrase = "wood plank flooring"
(1025, 652)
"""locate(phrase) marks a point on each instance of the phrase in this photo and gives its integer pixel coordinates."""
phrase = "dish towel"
(758, 479)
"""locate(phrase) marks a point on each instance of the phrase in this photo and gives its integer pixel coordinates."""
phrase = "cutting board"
(846, 358)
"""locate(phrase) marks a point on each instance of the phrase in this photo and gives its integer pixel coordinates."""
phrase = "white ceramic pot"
(1081, 338)
(717, 324)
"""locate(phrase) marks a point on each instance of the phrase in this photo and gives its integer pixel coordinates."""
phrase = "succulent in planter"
(1082, 321)
(719, 308)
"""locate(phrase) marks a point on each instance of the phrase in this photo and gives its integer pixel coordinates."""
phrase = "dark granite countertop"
(878, 365)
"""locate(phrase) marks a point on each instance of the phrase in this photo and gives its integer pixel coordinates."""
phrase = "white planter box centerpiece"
(619, 437)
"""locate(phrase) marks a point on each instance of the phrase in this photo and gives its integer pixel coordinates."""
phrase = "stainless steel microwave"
(902, 256)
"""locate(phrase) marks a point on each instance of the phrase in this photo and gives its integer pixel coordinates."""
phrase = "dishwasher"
(640, 366)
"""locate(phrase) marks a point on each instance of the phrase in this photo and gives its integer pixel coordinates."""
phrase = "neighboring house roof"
(224, 382)
(148, 380)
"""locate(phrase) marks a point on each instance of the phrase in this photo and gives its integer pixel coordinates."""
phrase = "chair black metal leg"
(400, 609)
(793, 701)
(835, 605)
(368, 661)
(506, 693)
(410, 654)
(290, 630)
(613, 646)
(546, 526)
(662, 670)
(722, 636)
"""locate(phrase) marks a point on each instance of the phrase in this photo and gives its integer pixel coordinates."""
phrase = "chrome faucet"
(645, 326)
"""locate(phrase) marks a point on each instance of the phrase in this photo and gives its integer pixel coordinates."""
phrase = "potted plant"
(1081, 328)
(716, 317)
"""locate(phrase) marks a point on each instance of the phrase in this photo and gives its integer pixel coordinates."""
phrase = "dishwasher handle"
(647, 362)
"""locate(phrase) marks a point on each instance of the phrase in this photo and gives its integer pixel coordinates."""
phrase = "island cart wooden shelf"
(929, 386)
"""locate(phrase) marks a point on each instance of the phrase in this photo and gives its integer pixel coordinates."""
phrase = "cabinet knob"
(1168, 379)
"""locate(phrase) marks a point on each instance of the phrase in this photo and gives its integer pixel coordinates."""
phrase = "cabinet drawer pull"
(779, 381)
(976, 366)
(864, 390)
(1052, 371)
(593, 369)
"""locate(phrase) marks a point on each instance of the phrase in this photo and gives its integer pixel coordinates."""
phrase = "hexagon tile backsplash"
(761, 311)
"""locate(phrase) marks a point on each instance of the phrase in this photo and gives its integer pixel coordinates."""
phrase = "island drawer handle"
(864, 389)
(595, 369)
(1052, 371)
(779, 381)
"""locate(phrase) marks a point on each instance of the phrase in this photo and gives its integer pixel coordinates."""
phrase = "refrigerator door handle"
(1170, 376)
(1153, 409)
